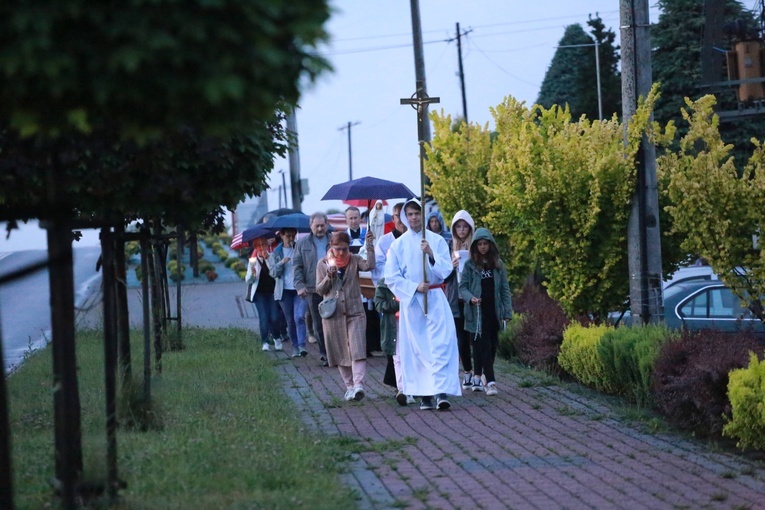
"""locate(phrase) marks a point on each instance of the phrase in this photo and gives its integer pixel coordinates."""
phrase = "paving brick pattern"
(532, 446)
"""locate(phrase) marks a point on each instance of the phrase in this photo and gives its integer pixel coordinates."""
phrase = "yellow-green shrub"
(746, 391)
(579, 355)
(508, 336)
(628, 356)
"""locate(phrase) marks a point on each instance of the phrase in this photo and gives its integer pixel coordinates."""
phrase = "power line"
(502, 68)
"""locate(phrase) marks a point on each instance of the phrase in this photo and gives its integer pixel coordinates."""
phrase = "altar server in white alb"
(427, 344)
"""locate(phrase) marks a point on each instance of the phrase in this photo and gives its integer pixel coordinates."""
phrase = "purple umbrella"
(368, 188)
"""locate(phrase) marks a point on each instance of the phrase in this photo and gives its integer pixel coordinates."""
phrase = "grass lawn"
(224, 435)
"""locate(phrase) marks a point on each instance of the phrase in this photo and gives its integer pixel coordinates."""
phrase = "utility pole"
(462, 73)
(420, 83)
(643, 235)
(294, 159)
(348, 126)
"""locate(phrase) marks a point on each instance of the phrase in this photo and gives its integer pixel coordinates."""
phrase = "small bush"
(230, 261)
(206, 265)
(628, 356)
(132, 248)
(222, 254)
(138, 273)
(173, 268)
(211, 275)
(690, 379)
(579, 355)
(216, 246)
(541, 332)
(746, 390)
(509, 336)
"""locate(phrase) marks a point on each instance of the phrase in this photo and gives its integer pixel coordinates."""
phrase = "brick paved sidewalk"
(532, 446)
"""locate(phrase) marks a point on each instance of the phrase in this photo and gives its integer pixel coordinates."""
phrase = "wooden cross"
(420, 101)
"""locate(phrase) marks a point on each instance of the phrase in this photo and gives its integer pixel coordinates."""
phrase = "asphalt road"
(25, 303)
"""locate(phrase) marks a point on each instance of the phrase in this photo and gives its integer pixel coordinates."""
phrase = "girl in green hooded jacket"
(488, 305)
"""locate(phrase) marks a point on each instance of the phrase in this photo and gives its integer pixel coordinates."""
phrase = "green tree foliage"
(561, 83)
(182, 178)
(676, 63)
(458, 153)
(610, 77)
(74, 65)
(714, 207)
(571, 78)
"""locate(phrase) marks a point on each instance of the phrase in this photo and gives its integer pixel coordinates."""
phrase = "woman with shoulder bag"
(337, 277)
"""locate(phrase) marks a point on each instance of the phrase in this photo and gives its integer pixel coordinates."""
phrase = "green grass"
(222, 435)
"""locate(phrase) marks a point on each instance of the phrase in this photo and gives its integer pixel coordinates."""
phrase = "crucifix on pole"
(420, 101)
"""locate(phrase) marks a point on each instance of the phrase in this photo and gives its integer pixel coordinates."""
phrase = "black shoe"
(303, 353)
(325, 364)
(442, 402)
(401, 399)
(427, 404)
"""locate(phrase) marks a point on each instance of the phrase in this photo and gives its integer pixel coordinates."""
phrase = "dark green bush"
(628, 356)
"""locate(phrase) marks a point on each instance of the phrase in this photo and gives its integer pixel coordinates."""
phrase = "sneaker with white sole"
(303, 352)
(478, 385)
(442, 402)
(358, 393)
(427, 404)
(266, 347)
(349, 394)
(410, 400)
(491, 389)
(467, 382)
(278, 344)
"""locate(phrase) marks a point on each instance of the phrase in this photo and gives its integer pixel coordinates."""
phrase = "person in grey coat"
(308, 252)
(488, 305)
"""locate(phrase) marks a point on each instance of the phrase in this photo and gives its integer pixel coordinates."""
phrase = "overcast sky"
(506, 52)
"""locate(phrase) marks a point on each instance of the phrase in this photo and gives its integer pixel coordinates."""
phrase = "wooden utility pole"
(462, 73)
(643, 235)
(348, 126)
(420, 101)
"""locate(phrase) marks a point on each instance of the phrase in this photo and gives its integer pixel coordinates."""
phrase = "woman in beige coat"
(345, 332)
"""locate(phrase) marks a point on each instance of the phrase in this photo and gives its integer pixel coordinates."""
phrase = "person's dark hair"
(412, 205)
(288, 230)
(492, 257)
(340, 237)
(397, 208)
(352, 208)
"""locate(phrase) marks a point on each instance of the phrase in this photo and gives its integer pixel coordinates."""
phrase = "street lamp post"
(597, 70)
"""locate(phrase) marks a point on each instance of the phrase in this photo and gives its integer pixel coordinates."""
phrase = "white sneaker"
(278, 344)
(266, 347)
(410, 400)
(312, 339)
(358, 393)
(349, 394)
(491, 389)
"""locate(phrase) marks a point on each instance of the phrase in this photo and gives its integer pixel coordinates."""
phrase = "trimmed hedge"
(541, 332)
(628, 356)
(746, 390)
(579, 355)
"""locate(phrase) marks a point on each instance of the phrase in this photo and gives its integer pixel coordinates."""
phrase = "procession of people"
(441, 297)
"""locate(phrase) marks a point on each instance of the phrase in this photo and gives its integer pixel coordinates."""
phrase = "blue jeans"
(293, 308)
(268, 315)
